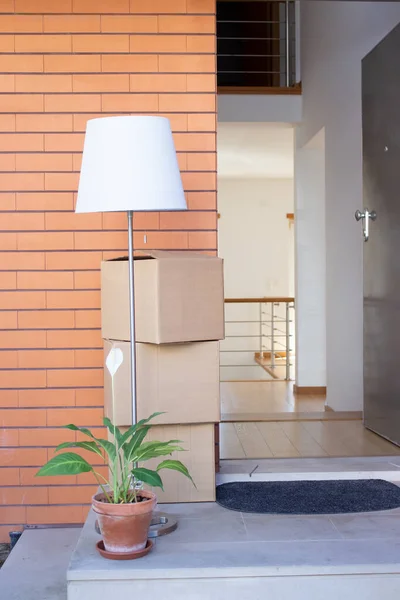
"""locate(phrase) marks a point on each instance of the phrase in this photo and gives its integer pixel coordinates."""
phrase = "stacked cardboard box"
(179, 318)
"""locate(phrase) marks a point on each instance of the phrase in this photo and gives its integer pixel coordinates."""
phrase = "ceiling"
(255, 150)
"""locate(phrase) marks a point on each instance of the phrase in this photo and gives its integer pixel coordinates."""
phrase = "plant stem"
(97, 476)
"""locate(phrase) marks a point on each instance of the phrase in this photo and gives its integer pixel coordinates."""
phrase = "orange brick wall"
(61, 63)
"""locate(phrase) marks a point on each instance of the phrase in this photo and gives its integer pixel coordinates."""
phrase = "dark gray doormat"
(309, 497)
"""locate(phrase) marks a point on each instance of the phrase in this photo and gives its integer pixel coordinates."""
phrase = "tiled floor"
(294, 439)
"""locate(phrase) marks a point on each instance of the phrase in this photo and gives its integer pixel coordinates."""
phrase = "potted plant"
(124, 510)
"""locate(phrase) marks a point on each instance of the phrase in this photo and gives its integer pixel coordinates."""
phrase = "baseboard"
(309, 390)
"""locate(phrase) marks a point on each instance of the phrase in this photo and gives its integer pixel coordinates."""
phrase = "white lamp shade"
(129, 163)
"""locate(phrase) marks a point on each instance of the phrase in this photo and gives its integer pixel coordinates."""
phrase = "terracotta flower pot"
(125, 527)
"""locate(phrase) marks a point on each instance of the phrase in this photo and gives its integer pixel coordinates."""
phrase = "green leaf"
(68, 463)
(91, 446)
(113, 429)
(81, 429)
(135, 443)
(108, 447)
(176, 465)
(138, 426)
(155, 449)
(147, 476)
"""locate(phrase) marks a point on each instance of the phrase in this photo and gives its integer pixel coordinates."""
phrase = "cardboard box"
(179, 297)
(181, 380)
(198, 441)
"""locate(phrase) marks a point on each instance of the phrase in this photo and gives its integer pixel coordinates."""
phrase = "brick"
(129, 24)
(201, 43)
(157, 43)
(43, 83)
(90, 397)
(19, 142)
(22, 260)
(186, 63)
(199, 181)
(72, 103)
(45, 201)
(74, 338)
(22, 300)
(201, 6)
(8, 439)
(158, 83)
(100, 240)
(23, 495)
(71, 23)
(73, 260)
(22, 339)
(43, 6)
(7, 123)
(72, 495)
(85, 319)
(46, 319)
(202, 122)
(7, 201)
(100, 6)
(189, 220)
(45, 280)
(22, 63)
(204, 240)
(130, 102)
(162, 240)
(9, 476)
(29, 417)
(7, 83)
(82, 417)
(46, 240)
(43, 43)
(89, 358)
(7, 6)
(63, 142)
(8, 241)
(202, 83)
(76, 299)
(202, 200)
(7, 163)
(77, 162)
(21, 24)
(26, 457)
(186, 24)
(22, 181)
(177, 121)
(48, 437)
(158, 6)
(45, 359)
(195, 142)
(100, 43)
(187, 102)
(46, 397)
(28, 477)
(129, 63)
(61, 181)
(75, 378)
(202, 161)
(141, 220)
(8, 282)
(21, 103)
(36, 515)
(12, 514)
(7, 43)
(72, 221)
(8, 358)
(43, 123)
(71, 63)
(87, 280)
(101, 83)
(44, 162)
(8, 398)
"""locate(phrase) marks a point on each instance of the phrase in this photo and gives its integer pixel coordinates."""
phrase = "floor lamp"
(129, 164)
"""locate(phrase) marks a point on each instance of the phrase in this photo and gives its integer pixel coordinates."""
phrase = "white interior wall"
(334, 38)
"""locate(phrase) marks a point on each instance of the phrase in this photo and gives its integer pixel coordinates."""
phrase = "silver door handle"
(365, 217)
